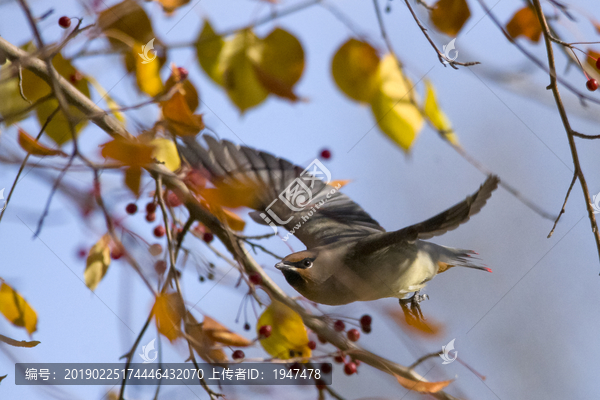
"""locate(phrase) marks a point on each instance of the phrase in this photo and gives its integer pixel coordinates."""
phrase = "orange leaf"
(201, 342)
(592, 56)
(185, 87)
(449, 16)
(128, 152)
(232, 195)
(234, 221)
(221, 334)
(422, 387)
(168, 310)
(33, 147)
(354, 68)
(525, 23)
(133, 178)
(418, 326)
(340, 183)
(180, 119)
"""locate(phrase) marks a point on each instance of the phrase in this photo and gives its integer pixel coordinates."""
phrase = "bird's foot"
(414, 311)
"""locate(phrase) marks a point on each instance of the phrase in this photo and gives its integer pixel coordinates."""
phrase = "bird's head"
(298, 267)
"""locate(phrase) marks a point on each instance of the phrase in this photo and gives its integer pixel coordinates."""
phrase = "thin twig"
(441, 56)
(14, 185)
(565, 120)
(131, 352)
(562, 210)
(425, 357)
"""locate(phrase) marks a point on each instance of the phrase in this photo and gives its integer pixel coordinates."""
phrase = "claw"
(414, 312)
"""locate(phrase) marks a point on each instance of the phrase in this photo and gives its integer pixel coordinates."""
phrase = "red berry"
(326, 368)
(76, 77)
(350, 368)
(150, 217)
(116, 254)
(183, 73)
(150, 208)
(246, 326)
(322, 339)
(172, 200)
(592, 85)
(339, 325)
(357, 362)
(265, 331)
(159, 231)
(353, 335)
(255, 279)
(160, 267)
(339, 359)
(64, 22)
(238, 355)
(325, 154)
(312, 345)
(598, 63)
(82, 253)
(366, 328)
(366, 320)
(208, 237)
(131, 208)
(155, 249)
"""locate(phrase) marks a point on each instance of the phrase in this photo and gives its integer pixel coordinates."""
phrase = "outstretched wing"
(282, 194)
(435, 226)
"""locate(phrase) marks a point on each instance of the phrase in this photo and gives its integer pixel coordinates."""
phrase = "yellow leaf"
(201, 342)
(186, 88)
(436, 116)
(422, 387)
(33, 147)
(147, 73)
(288, 337)
(128, 18)
(133, 153)
(133, 179)
(236, 67)
(112, 105)
(169, 310)
(396, 116)
(165, 151)
(180, 119)
(171, 5)
(221, 334)
(355, 70)
(525, 23)
(97, 262)
(449, 16)
(12, 103)
(279, 63)
(208, 48)
(35, 88)
(16, 309)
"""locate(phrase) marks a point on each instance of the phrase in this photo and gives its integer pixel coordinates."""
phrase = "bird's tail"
(451, 257)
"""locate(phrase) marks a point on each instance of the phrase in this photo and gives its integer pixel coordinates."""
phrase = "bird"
(349, 256)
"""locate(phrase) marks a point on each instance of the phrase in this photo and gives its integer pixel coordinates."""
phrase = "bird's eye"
(307, 263)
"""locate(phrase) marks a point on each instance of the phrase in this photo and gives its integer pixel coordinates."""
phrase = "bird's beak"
(282, 265)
